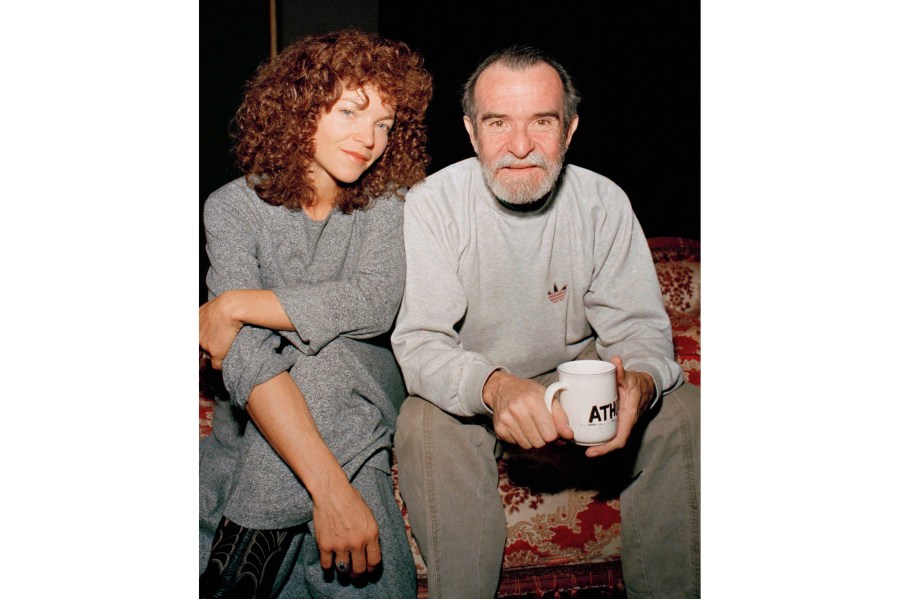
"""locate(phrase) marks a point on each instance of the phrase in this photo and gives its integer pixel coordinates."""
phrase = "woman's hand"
(218, 327)
(345, 529)
(221, 319)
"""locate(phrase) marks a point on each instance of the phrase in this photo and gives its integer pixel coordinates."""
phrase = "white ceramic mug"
(589, 398)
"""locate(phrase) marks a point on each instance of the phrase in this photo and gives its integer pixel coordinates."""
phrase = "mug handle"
(551, 391)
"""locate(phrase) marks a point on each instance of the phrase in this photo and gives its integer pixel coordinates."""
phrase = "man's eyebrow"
(492, 115)
(539, 115)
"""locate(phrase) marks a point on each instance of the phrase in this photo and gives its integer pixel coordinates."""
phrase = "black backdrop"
(636, 64)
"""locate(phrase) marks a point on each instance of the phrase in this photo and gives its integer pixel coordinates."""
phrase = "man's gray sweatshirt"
(488, 287)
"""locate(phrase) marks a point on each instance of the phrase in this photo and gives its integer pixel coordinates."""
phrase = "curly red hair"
(277, 120)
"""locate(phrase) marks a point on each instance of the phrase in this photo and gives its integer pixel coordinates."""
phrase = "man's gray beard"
(523, 192)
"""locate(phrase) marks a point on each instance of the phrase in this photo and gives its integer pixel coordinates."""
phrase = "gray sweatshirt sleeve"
(231, 242)
(359, 306)
(624, 304)
(427, 346)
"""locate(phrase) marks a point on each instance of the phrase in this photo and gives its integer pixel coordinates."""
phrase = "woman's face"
(349, 138)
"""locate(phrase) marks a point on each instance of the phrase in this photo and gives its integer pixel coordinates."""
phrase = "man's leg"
(448, 480)
(661, 507)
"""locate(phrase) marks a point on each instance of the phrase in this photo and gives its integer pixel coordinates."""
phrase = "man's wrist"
(648, 389)
(490, 388)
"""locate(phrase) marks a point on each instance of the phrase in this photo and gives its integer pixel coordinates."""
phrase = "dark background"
(636, 64)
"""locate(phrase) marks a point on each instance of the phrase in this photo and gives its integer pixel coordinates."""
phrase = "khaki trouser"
(448, 480)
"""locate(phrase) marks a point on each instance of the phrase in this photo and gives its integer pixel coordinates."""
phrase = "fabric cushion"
(680, 285)
(552, 518)
(677, 262)
(686, 337)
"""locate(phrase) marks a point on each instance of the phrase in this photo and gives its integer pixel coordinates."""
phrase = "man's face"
(518, 134)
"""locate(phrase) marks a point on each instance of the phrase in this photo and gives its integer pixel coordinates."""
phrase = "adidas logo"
(557, 295)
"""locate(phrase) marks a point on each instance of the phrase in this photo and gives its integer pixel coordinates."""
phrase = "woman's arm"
(247, 355)
(360, 305)
(222, 318)
(344, 525)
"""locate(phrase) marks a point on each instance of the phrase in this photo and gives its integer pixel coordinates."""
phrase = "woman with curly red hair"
(306, 275)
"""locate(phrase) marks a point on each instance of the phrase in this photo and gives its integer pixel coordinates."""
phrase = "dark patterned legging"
(243, 562)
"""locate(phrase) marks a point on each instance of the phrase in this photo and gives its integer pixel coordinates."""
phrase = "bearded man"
(516, 264)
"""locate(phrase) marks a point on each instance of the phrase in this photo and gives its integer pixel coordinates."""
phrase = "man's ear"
(572, 126)
(470, 127)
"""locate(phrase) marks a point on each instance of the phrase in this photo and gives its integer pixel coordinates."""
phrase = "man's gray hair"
(519, 58)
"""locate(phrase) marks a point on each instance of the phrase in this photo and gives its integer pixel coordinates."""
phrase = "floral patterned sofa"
(562, 531)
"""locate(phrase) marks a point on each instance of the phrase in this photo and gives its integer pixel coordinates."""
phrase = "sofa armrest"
(677, 262)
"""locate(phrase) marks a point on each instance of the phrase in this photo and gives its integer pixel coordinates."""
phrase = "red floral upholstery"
(206, 401)
(678, 269)
(562, 533)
